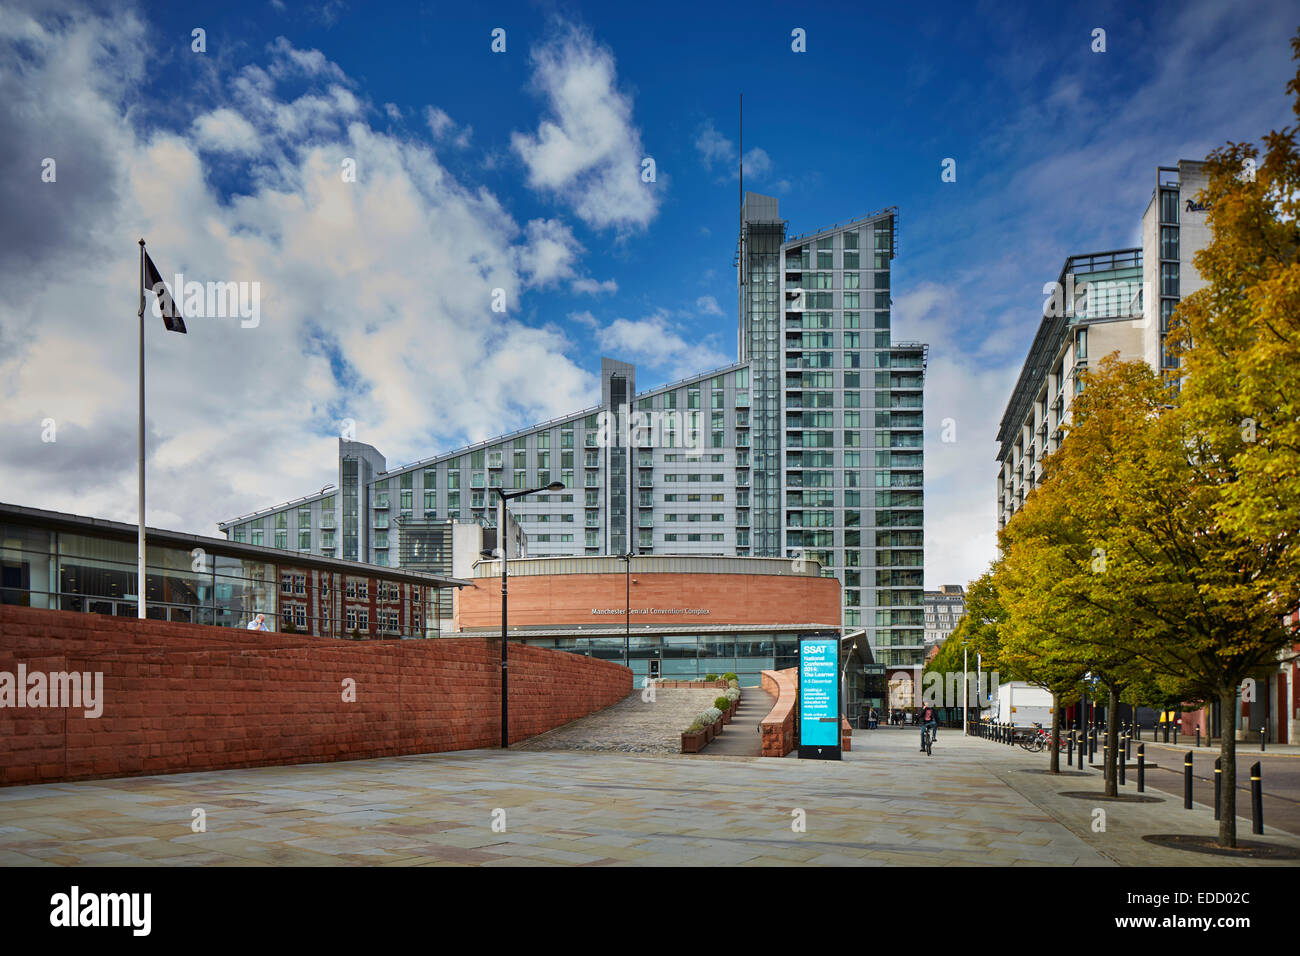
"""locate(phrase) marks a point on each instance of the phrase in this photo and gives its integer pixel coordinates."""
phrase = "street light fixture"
(627, 608)
(504, 539)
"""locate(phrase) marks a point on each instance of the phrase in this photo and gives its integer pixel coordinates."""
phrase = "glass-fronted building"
(68, 562)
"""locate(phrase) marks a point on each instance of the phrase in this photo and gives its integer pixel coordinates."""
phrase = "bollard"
(1069, 751)
(1262, 737)
(1123, 762)
(1166, 725)
(1218, 787)
(1175, 734)
(1187, 781)
(1198, 735)
(1142, 768)
(1256, 800)
(1092, 745)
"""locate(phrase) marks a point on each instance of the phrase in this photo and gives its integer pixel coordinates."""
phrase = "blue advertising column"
(819, 698)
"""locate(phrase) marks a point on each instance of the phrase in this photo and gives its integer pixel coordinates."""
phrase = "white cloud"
(656, 342)
(288, 60)
(375, 295)
(588, 152)
(225, 131)
(716, 150)
(445, 129)
(708, 305)
(549, 253)
(592, 287)
(965, 395)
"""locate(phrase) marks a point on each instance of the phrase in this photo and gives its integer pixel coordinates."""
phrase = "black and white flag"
(171, 313)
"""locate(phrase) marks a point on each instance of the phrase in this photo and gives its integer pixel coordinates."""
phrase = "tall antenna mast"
(740, 241)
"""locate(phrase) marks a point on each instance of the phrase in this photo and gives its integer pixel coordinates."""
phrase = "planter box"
(693, 743)
(717, 727)
(726, 716)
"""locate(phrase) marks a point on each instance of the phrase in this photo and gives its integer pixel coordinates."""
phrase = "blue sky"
(479, 170)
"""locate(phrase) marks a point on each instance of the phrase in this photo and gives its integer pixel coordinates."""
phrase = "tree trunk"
(1110, 769)
(1228, 761)
(1056, 733)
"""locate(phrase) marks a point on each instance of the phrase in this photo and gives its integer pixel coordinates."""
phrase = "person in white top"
(258, 623)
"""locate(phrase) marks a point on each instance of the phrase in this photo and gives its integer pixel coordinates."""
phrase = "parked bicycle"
(1038, 740)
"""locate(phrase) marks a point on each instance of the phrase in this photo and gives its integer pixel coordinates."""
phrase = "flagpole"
(139, 544)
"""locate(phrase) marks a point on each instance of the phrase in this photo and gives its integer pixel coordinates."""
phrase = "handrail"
(279, 507)
(816, 232)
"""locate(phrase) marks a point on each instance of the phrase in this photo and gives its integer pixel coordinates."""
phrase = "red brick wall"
(184, 697)
(777, 728)
(559, 599)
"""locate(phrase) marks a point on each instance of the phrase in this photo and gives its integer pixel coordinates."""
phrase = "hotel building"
(1116, 301)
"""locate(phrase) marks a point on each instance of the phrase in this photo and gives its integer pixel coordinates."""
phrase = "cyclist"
(930, 722)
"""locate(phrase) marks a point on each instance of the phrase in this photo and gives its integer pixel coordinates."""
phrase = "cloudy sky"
(521, 170)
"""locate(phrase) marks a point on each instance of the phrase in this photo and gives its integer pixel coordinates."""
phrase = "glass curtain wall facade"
(852, 411)
(50, 567)
(760, 279)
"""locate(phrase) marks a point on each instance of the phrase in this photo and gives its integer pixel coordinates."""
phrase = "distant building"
(944, 609)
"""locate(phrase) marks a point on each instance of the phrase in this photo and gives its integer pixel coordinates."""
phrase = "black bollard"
(1256, 800)
(1187, 781)
(1142, 768)
(1166, 723)
(1069, 749)
(1092, 745)
(1175, 733)
(1198, 735)
(1262, 737)
(1218, 787)
(1123, 761)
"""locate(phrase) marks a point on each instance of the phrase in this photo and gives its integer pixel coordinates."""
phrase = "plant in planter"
(723, 706)
(694, 738)
(732, 696)
(713, 718)
(729, 677)
(709, 677)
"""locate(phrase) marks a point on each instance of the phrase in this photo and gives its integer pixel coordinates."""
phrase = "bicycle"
(927, 740)
(1038, 740)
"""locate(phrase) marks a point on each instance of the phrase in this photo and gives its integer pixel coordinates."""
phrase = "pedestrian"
(258, 623)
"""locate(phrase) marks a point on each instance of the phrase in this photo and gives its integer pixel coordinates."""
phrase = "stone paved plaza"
(972, 803)
(633, 725)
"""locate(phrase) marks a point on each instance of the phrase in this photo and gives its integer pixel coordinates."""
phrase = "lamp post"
(504, 540)
(627, 608)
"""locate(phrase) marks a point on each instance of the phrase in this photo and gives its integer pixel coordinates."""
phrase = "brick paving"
(972, 803)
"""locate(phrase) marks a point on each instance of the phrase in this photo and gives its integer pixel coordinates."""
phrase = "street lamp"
(627, 608)
(504, 540)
